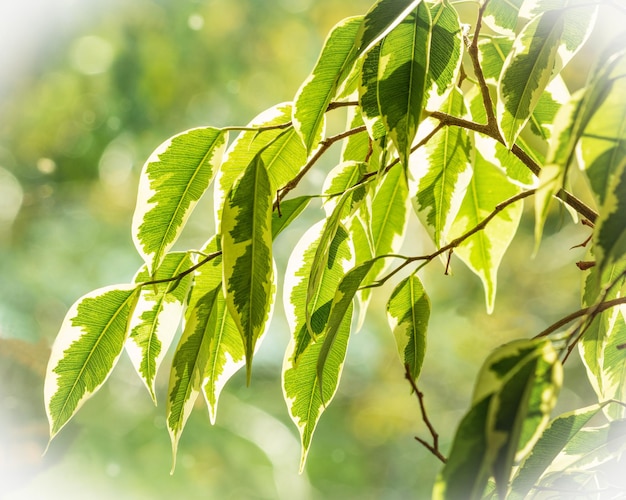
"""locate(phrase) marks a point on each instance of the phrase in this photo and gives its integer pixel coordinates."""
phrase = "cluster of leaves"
(460, 124)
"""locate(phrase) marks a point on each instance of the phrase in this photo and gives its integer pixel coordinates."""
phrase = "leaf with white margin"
(157, 316)
(318, 90)
(247, 254)
(408, 312)
(440, 173)
(86, 349)
(295, 290)
(341, 178)
(358, 230)
(189, 365)
(281, 149)
(172, 181)
(545, 45)
(483, 251)
(501, 16)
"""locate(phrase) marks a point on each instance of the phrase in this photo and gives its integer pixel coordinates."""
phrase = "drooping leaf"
(402, 81)
(189, 365)
(247, 253)
(483, 251)
(341, 178)
(368, 95)
(172, 181)
(157, 316)
(492, 53)
(289, 211)
(441, 172)
(281, 150)
(300, 382)
(296, 284)
(502, 16)
(318, 90)
(408, 311)
(340, 309)
(554, 438)
(545, 45)
(86, 350)
(363, 251)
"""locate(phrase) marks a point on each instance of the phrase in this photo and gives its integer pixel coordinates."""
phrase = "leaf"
(492, 53)
(289, 211)
(440, 174)
(340, 309)
(545, 45)
(157, 316)
(172, 181)
(368, 95)
(301, 388)
(86, 350)
(502, 16)
(318, 90)
(341, 178)
(483, 251)
(402, 78)
(297, 304)
(189, 365)
(408, 311)
(554, 438)
(247, 254)
(361, 241)
(281, 150)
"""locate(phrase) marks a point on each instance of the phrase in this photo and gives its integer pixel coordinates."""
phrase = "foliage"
(459, 123)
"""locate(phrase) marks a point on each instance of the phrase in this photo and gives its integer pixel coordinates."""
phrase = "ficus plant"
(450, 126)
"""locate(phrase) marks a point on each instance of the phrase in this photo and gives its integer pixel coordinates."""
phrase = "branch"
(433, 448)
(181, 275)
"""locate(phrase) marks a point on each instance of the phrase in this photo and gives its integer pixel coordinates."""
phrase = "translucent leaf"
(402, 78)
(502, 16)
(368, 95)
(157, 316)
(296, 284)
(483, 251)
(318, 90)
(408, 311)
(289, 210)
(543, 48)
(554, 438)
(441, 172)
(172, 181)
(247, 253)
(86, 349)
(282, 153)
(361, 241)
(357, 146)
(341, 178)
(301, 388)
(189, 365)
(340, 309)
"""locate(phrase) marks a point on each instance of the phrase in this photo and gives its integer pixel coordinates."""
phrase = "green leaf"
(289, 211)
(157, 316)
(483, 251)
(341, 178)
(247, 254)
(466, 473)
(441, 172)
(281, 150)
(545, 45)
(403, 80)
(408, 311)
(301, 387)
(172, 181)
(189, 365)
(318, 90)
(501, 16)
(340, 309)
(368, 95)
(492, 53)
(298, 306)
(554, 438)
(363, 251)
(86, 349)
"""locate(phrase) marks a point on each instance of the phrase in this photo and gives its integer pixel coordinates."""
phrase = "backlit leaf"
(172, 181)
(86, 350)
(408, 311)
(247, 254)
(501, 16)
(289, 211)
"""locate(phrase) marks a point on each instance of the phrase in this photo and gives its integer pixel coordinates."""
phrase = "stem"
(181, 275)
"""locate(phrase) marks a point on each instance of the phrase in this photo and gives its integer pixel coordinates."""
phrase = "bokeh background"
(88, 88)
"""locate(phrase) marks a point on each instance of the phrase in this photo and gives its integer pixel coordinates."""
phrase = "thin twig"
(181, 275)
(433, 448)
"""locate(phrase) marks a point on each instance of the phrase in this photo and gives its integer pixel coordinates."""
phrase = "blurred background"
(87, 90)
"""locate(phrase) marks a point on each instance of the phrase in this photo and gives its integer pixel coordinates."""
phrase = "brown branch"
(181, 275)
(433, 448)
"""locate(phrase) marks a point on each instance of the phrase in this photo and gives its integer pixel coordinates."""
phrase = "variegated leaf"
(157, 316)
(247, 254)
(172, 181)
(87, 347)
